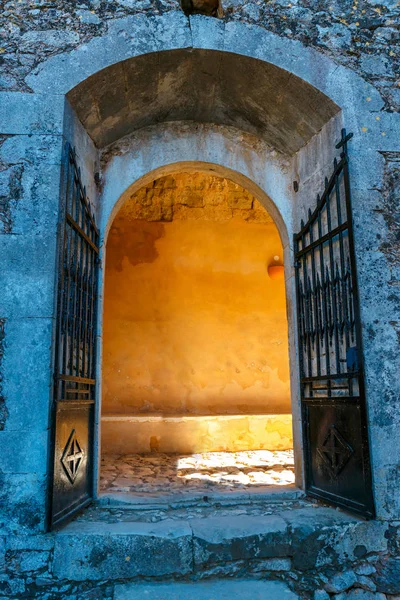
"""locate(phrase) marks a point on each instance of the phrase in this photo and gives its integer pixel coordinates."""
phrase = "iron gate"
(74, 377)
(334, 415)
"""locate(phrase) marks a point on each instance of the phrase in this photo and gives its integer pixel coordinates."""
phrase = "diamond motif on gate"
(72, 457)
(335, 451)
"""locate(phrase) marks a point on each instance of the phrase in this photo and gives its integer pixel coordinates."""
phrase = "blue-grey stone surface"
(213, 590)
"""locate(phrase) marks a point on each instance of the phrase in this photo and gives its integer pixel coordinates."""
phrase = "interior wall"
(87, 156)
(193, 322)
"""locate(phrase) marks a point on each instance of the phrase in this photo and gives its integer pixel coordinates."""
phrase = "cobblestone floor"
(217, 471)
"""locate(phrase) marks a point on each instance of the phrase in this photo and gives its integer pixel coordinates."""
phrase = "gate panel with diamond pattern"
(74, 377)
(331, 370)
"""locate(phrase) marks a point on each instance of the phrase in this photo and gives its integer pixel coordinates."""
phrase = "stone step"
(236, 545)
(207, 590)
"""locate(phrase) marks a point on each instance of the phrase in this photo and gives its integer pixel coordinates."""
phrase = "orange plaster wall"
(193, 323)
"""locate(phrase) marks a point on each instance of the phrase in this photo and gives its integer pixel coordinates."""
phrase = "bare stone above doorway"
(194, 196)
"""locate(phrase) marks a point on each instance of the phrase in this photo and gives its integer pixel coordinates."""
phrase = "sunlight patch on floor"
(188, 473)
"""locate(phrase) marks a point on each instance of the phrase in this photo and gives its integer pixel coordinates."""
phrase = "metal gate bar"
(74, 375)
(330, 352)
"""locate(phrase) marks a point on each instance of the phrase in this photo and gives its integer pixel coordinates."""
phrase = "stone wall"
(30, 166)
(362, 35)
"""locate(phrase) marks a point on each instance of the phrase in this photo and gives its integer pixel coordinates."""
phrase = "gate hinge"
(344, 140)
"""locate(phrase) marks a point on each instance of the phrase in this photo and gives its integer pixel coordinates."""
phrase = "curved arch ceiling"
(207, 86)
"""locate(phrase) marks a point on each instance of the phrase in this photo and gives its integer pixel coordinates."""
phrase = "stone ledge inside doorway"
(185, 433)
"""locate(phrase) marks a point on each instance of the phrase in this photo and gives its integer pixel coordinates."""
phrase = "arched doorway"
(296, 141)
(195, 373)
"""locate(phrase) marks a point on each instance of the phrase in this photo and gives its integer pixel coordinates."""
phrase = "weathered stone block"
(361, 538)
(241, 200)
(207, 33)
(27, 376)
(234, 538)
(341, 582)
(32, 149)
(311, 531)
(387, 578)
(30, 542)
(365, 583)
(2, 554)
(13, 587)
(37, 209)
(14, 457)
(191, 198)
(22, 502)
(52, 38)
(365, 569)
(272, 564)
(27, 276)
(87, 17)
(31, 113)
(359, 594)
(10, 194)
(172, 31)
(31, 561)
(10, 185)
(321, 595)
(377, 65)
(99, 551)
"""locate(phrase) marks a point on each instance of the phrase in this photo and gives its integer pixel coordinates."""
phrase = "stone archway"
(306, 153)
(239, 128)
(139, 35)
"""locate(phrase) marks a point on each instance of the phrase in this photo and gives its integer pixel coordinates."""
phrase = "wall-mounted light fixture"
(275, 268)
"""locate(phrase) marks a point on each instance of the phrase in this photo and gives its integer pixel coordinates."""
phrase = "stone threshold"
(218, 546)
(260, 495)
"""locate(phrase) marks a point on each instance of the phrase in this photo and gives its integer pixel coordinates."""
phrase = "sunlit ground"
(192, 473)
